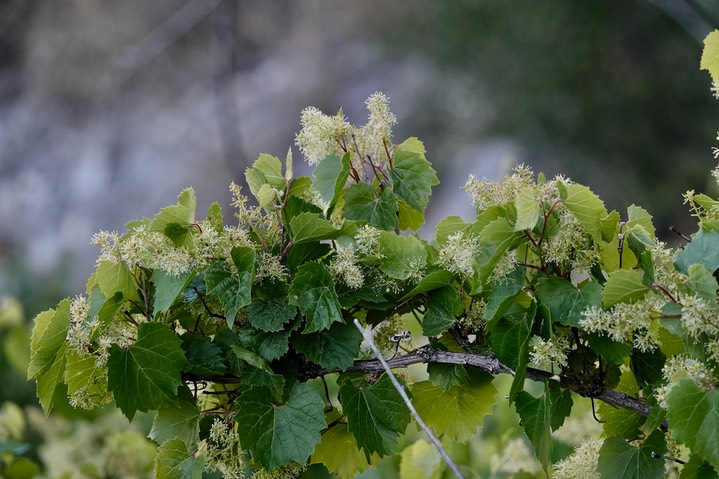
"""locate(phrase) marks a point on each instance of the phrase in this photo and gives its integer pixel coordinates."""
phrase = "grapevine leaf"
(565, 301)
(402, 254)
(412, 175)
(710, 55)
(638, 216)
(111, 278)
(49, 381)
(48, 337)
(182, 422)
(503, 294)
(376, 415)
(307, 227)
(647, 366)
(702, 283)
(697, 468)
(269, 346)
(586, 207)
(364, 203)
(267, 169)
(232, 289)
(704, 249)
(623, 286)
(146, 375)
(535, 414)
(173, 461)
(270, 315)
(507, 338)
(612, 351)
(443, 305)
(497, 237)
(330, 177)
(560, 405)
(82, 374)
(421, 459)
(167, 288)
(339, 453)
(334, 348)
(203, 356)
(693, 416)
(408, 217)
(620, 460)
(433, 280)
(313, 291)
(527, 209)
(447, 227)
(447, 375)
(457, 411)
(276, 434)
(174, 221)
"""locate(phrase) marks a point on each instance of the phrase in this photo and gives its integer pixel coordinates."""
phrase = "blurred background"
(109, 108)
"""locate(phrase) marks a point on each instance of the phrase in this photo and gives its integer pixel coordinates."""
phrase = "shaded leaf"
(313, 291)
(333, 348)
(339, 453)
(412, 175)
(168, 288)
(620, 460)
(173, 461)
(443, 306)
(704, 249)
(364, 203)
(276, 434)
(182, 422)
(146, 375)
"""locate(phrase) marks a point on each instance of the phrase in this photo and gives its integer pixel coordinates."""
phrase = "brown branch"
(486, 362)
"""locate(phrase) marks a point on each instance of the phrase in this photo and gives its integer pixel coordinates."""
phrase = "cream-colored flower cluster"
(582, 463)
(323, 135)
(626, 322)
(546, 353)
(683, 366)
(458, 253)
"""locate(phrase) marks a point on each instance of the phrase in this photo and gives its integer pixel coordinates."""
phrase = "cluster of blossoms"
(549, 352)
(367, 241)
(683, 366)
(485, 193)
(582, 463)
(571, 244)
(458, 254)
(344, 266)
(626, 322)
(323, 135)
(222, 450)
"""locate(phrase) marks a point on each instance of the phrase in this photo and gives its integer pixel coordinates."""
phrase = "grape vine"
(232, 332)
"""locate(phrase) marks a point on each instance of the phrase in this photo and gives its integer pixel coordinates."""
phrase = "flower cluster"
(549, 352)
(683, 366)
(345, 268)
(626, 322)
(458, 253)
(223, 452)
(582, 463)
(323, 135)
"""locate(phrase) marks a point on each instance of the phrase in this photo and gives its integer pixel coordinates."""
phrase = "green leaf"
(693, 416)
(269, 346)
(48, 338)
(167, 288)
(49, 381)
(313, 291)
(408, 217)
(330, 177)
(173, 461)
(111, 278)
(565, 301)
(620, 460)
(339, 453)
(586, 207)
(174, 221)
(307, 227)
(697, 468)
(270, 315)
(447, 375)
(612, 351)
(146, 375)
(457, 411)
(267, 169)
(376, 415)
(433, 280)
(203, 356)
(710, 55)
(447, 227)
(364, 203)
(276, 434)
(647, 366)
(560, 405)
(402, 254)
(334, 348)
(507, 338)
(527, 209)
(502, 295)
(702, 283)
(182, 421)
(535, 414)
(704, 249)
(496, 237)
(232, 289)
(638, 216)
(82, 374)
(623, 286)
(412, 175)
(443, 306)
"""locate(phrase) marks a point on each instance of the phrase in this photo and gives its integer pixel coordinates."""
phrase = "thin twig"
(411, 408)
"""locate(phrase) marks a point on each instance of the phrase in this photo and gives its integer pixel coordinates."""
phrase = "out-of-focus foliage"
(586, 89)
